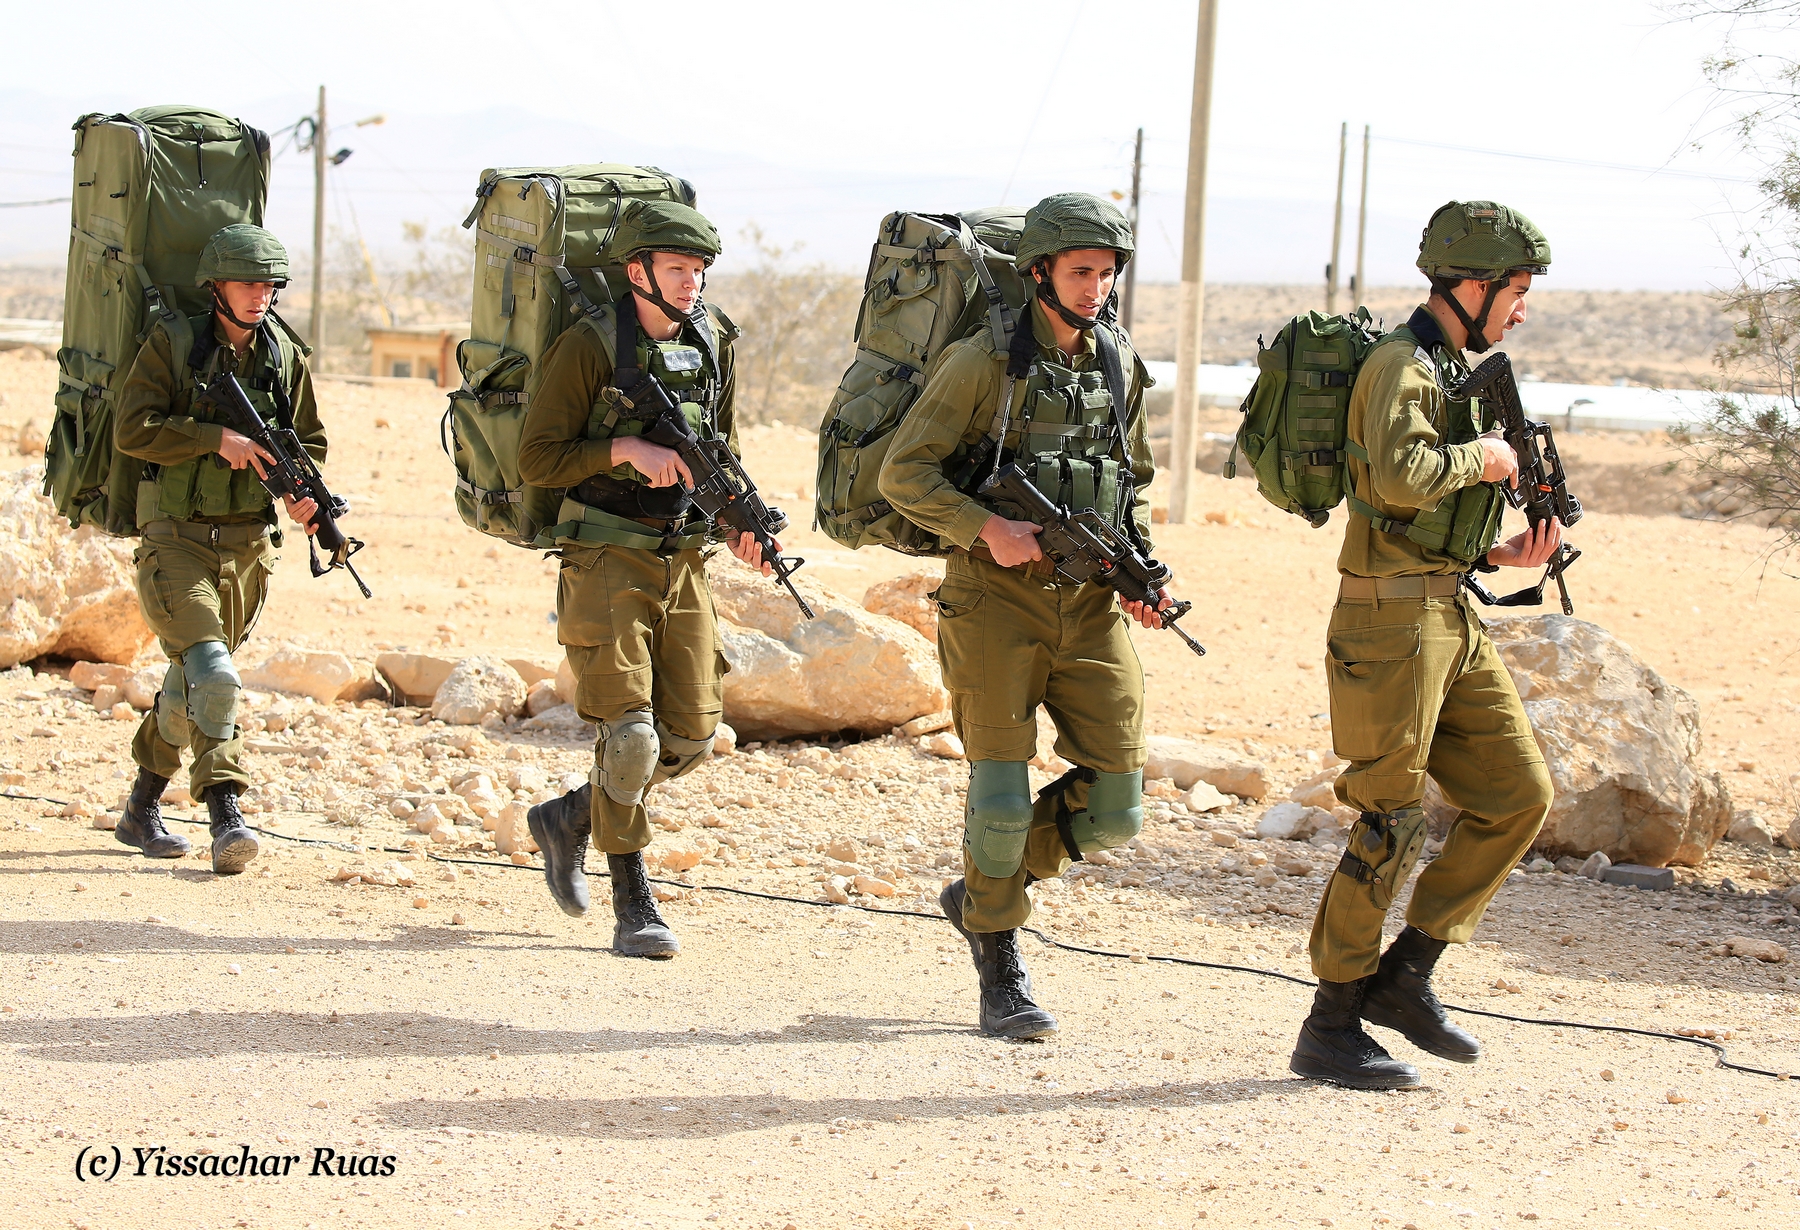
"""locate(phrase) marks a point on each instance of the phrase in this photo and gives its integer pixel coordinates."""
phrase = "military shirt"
(1397, 413)
(956, 409)
(554, 450)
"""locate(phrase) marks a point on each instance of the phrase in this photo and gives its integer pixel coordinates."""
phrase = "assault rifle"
(1542, 489)
(293, 474)
(1085, 548)
(722, 490)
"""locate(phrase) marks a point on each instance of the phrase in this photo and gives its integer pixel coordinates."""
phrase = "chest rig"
(1065, 428)
(688, 367)
(207, 486)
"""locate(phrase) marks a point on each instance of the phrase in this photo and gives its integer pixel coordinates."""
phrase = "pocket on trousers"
(583, 607)
(960, 633)
(1373, 674)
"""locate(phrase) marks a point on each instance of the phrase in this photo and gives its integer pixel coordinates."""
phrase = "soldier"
(634, 611)
(1416, 685)
(1012, 634)
(207, 525)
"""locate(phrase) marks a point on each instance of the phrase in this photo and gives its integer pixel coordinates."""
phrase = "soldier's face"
(1083, 279)
(247, 300)
(680, 278)
(1509, 305)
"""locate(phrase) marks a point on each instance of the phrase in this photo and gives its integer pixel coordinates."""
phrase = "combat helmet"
(1065, 222)
(242, 253)
(664, 226)
(1482, 240)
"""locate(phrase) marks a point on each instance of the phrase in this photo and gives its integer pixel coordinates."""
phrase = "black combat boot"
(1333, 1046)
(1007, 1009)
(641, 931)
(1400, 997)
(233, 845)
(560, 827)
(142, 823)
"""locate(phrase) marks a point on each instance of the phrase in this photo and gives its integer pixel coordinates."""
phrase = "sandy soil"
(815, 1066)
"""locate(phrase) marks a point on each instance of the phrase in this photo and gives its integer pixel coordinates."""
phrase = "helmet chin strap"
(1046, 293)
(654, 295)
(224, 309)
(1477, 342)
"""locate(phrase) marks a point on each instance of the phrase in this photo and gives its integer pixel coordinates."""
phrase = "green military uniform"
(1010, 639)
(1416, 686)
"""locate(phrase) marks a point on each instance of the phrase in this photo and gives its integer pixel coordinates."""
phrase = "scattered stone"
(533, 672)
(140, 688)
(1636, 875)
(1189, 761)
(944, 744)
(1762, 950)
(541, 696)
(307, 672)
(1539, 866)
(680, 858)
(105, 697)
(1223, 837)
(1622, 744)
(561, 719)
(844, 850)
(508, 827)
(1595, 866)
(457, 920)
(420, 903)
(106, 822)
(929, 724)
(1750, 829)
(414, 677)
(478, 687)
(1205, 797)
(873, 886)
(1292, 821)
(1791, 838)
(92, 676)
(122, 712)
(1569, 865)
(1673, 1098)
(725, 740)
(908, 599)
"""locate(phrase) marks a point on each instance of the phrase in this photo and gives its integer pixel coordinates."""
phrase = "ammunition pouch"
(997, 819)
(1384, 847)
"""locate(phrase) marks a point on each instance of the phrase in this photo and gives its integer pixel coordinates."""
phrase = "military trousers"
(192, 590)
(1417, 688)
(1009, 640)
(640, 632)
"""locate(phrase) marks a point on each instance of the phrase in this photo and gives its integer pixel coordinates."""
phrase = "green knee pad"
(213, 689)
(998, 816)
(626, 757)
(675, 755)
(171, 707)
(1114, 815)
(1384, 848)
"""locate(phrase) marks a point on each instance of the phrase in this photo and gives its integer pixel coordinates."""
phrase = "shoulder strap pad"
(727, 328)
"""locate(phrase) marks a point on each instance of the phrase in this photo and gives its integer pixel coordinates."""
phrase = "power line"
(49, 200)
(1571, 162)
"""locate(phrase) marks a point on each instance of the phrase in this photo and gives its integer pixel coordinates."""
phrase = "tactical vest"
(1064, 429)
(207, 487)
(1466, 523)
(605, 507)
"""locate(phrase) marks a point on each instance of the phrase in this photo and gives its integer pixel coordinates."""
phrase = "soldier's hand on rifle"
(746, 548)
(662, 466)
(1498, 461)
(302, 511)
(1531, 549)
(1142, 612)
(1012, 542)
(240, 450)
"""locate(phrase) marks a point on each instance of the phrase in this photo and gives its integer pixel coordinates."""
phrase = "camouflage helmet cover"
(665, 226)
(242, 253)
(1481, 239)
(1073, 220)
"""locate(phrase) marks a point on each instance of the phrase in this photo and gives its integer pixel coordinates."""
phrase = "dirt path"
(810, 1066)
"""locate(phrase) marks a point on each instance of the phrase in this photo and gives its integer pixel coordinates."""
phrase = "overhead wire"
(1718, 1049)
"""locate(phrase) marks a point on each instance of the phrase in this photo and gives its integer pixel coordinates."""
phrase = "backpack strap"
(1362, 508)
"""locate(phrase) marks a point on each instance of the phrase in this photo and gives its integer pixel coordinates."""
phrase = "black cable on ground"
(1718, 1050)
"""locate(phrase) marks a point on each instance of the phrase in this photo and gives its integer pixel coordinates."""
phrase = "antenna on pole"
(1337, 221)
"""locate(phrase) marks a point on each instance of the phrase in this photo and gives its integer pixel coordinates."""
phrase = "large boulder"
(1622, 744)
(1224, 768)
(907, 599)
(847, 669)
(414, 677)
(67, 592)
(322, 675)
(479, 687)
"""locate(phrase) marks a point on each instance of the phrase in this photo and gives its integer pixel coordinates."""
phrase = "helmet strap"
(1476, 342)
(224, 309)
(654, 294)
(1046, 293)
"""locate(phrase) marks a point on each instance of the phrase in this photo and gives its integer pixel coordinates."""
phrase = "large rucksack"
(151, 188)
(1294, 431)
(933, 279)
(541, 263)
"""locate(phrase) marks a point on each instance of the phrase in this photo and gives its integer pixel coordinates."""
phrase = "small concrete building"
(417, 352)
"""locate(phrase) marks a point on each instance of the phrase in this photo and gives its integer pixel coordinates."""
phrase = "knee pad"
(213, 689)
(997, 818)
(677, 755)
(626, 757)
(171, 707)
(1115, 812)
(1384, 848)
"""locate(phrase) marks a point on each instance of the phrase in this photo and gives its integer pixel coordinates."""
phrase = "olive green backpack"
(541, 263)
(933, 279)
(1297, 414)
(151, 188)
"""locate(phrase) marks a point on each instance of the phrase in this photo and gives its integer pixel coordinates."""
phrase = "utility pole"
(1192, 310)
(1137, 179)
(317, 331)
(1358, 288)
(1337, 221)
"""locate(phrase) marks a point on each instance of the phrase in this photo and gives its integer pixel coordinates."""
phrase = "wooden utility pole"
(1337, 221)
(1191, 313)
(1137, 179)
(1359, 289)
(316, 334)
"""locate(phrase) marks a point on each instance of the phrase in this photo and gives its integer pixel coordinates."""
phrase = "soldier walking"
(634, 611)
(1416, 685)
(1066, 404)
(208, 529)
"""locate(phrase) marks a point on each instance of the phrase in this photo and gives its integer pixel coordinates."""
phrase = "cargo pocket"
(960, 633)
(583, 614)
(1373, 677)
(153, 595)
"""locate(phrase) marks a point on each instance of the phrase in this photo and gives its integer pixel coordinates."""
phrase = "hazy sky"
(813, 119)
